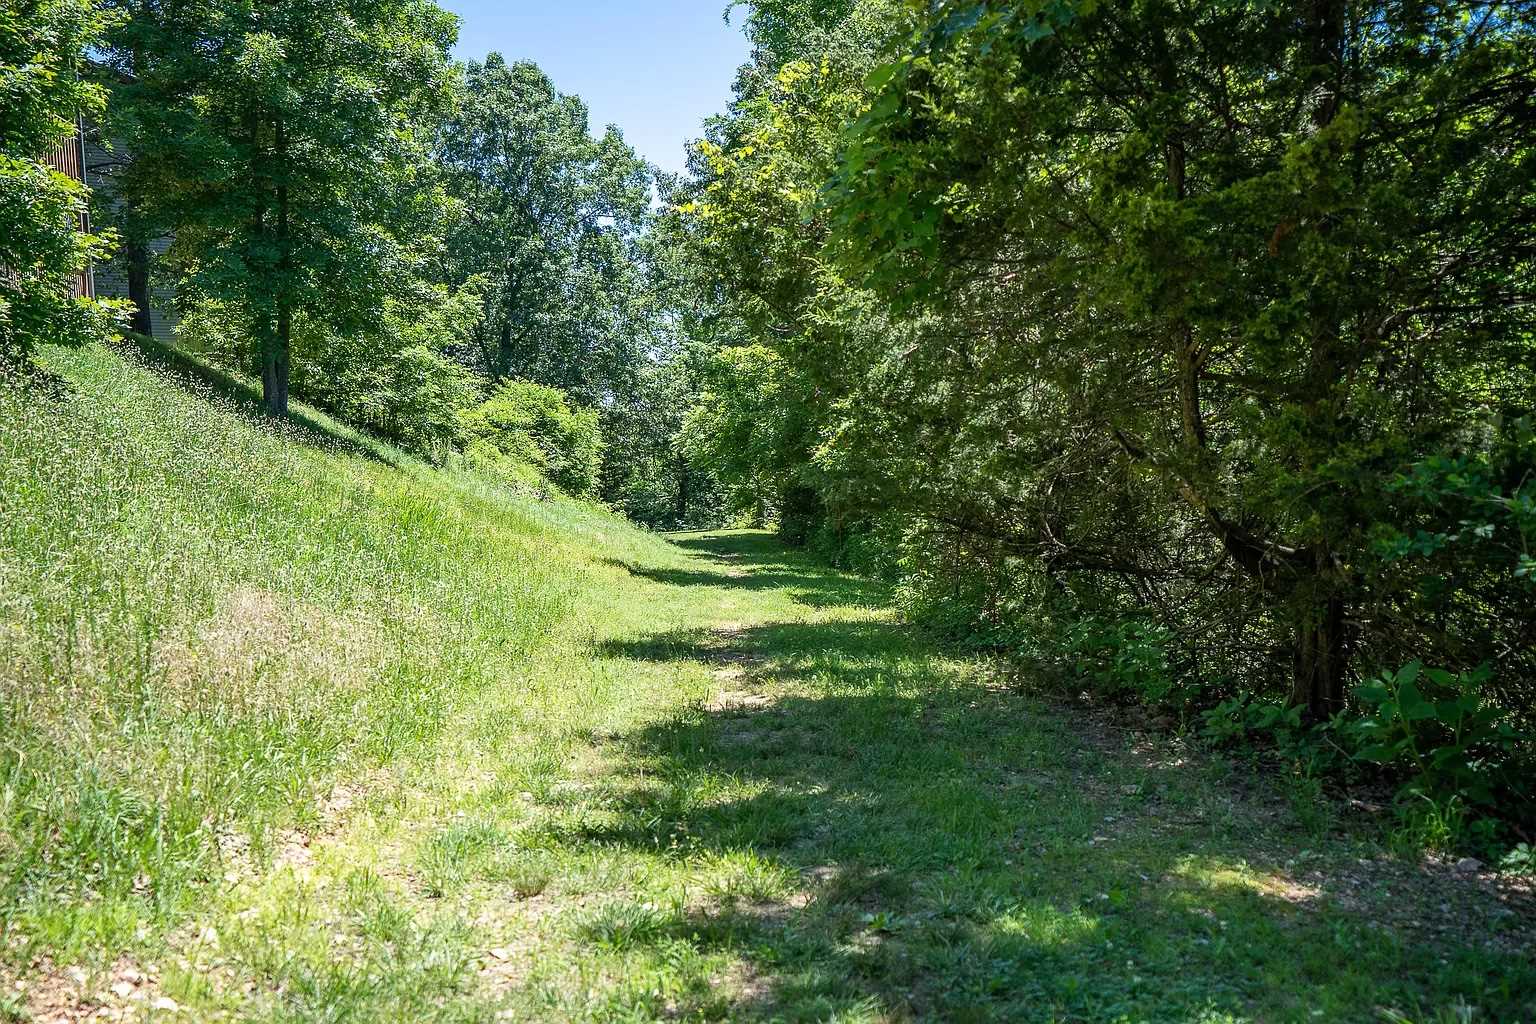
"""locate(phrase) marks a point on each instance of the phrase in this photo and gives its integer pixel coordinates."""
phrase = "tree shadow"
(37, 379)
(194, 375)
(854, 651)
(758, 545)
(960, 851)
(757, 562)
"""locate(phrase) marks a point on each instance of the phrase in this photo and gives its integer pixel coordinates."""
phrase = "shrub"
(535, 424)
(957, 588)
(411, 397)
(394, 378)
(867, 545)
(1441, 731)
(391, 378)
(1520, 860)
(1128, 658)
(419, 395)
(1454, 575)
(1236, 719)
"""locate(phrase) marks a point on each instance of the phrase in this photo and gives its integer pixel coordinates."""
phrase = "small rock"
(166, 1003)
(122, 989)
(1468, 866)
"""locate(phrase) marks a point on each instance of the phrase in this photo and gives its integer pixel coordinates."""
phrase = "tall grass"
(206, 618)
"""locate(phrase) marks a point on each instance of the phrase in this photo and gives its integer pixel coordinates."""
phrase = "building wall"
(112, 276)
(67, 159)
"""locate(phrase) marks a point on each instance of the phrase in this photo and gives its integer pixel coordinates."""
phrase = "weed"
(624, 926)
(452, 855)
(1521, 860)
(743, 876)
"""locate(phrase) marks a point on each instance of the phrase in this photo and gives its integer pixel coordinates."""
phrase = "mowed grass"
(299, 730)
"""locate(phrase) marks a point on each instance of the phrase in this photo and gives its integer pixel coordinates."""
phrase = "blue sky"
(656, 68)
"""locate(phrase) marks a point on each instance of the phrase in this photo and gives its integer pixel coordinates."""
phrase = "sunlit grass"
(299, 729)
(206, 618)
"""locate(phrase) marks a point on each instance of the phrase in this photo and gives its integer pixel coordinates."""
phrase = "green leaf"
(1440, 677)
(1371, 693)
(1414, 707)
(877, 78)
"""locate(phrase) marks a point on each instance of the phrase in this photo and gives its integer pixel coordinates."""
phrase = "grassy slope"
(296, 729)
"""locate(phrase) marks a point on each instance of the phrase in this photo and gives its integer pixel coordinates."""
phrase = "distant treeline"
(361, 222)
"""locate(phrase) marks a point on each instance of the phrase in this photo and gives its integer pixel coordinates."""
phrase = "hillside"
(297, 728)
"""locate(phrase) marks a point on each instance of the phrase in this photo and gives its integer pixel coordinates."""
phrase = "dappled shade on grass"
(965, 851)
(408, 745)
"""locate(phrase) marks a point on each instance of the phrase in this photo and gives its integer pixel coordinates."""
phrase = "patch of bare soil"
(293, 848)
(506, 965)
(745, 983)
(72, 995)
(1433, 901)
(734, 671)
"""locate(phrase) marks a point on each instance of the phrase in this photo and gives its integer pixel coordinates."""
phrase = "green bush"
(1521, 860)
(1127, 658)
(395, 378)
(1238, 718)
(392, 379)
(419, 395)
(1439, 729)
(960, 590)
(535, 424)
(1454, 557)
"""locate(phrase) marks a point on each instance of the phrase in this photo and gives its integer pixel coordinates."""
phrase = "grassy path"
(711, 780)
(735, 789)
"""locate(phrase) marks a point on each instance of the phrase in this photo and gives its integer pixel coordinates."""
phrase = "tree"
(42, 246)
(755, 219)
(548, 218)
(283, 143)
(1258, 258)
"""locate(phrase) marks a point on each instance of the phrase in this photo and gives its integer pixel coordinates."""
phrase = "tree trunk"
(681, 508)
(504, 351)
(136, 246)
(136, 255)
(1317, 683)
(274, 371)
(1322, 655)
